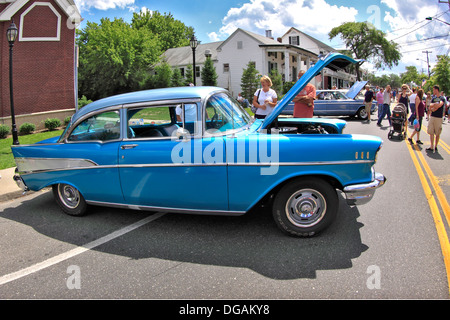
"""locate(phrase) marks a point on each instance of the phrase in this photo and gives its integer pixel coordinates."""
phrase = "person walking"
(412, 105)
(379, 97)
(368, 98)
(420, 112)
(387, 97)
(436, 114)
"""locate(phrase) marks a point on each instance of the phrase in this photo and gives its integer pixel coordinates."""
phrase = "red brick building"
(44, 59)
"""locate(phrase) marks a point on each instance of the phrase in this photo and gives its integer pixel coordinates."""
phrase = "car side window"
(161, 121)
(100, 127)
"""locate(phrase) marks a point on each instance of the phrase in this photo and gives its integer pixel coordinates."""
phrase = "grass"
(6, 157)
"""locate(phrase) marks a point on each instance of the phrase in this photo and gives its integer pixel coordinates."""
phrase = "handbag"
(253, 108)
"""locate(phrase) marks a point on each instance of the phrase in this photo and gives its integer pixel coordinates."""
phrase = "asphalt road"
(389, 248)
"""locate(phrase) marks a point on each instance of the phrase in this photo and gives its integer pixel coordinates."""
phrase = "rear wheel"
(305, 207)
(69, 199)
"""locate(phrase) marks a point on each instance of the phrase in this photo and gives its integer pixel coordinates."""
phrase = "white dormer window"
(294, 40)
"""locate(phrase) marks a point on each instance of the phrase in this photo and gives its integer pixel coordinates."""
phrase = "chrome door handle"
(128, 146)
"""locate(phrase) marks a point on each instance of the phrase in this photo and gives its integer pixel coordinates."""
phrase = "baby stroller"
(398, 121)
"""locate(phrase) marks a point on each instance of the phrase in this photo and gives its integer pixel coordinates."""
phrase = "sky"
(403, 21)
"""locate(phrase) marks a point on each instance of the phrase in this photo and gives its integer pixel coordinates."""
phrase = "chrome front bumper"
(358, 194)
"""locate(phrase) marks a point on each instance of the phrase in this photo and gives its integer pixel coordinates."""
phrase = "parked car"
(132, 151)
(337, 103)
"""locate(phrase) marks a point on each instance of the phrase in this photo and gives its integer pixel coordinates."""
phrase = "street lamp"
(431, 18)
(11, 36)
(193, 44)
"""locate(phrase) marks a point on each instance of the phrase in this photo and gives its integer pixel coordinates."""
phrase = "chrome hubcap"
(69, 195)
(306, 208)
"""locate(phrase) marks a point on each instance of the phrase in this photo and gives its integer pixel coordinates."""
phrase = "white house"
(289, 54)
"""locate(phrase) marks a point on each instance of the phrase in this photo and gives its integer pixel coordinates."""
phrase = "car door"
(88, 157)
(164, 163)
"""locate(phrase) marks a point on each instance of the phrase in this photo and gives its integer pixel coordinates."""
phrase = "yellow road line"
(440, 227)
(444, 146)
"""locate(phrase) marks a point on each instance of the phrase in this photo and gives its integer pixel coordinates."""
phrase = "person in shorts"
(368, 98)
(436, 112)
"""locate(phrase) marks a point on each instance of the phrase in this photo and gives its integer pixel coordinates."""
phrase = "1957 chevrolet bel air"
(195, 150)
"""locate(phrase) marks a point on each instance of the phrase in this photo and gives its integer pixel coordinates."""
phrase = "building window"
(197, 72)
(240, 45)
(226, 67)
(294, 40)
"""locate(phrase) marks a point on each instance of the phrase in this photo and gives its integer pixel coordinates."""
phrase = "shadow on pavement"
(251, 241)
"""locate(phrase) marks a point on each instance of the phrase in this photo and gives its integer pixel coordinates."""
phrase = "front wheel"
(362, 113)
(69, 199)
(305, 207)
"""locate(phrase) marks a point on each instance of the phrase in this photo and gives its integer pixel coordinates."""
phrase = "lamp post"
(431, 18)
(11, 36)
(193, 44)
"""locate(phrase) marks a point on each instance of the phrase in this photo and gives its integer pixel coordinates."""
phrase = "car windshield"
(225, 113)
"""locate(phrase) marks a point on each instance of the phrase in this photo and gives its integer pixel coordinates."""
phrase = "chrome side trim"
(35, 165)
(52, 164)
(166, 209)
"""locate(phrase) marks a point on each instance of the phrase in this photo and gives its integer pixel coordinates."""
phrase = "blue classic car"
(196, 150)
(338, 103)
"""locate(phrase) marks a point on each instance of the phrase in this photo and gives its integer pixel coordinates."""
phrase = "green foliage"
(364, 41)
(171, 33)
(4, 131)
(208, 73)
(177, 79)
(189, 75)
(287, 86)
(52, 124)
(163, 76)
(277, 82)
(27, 128)
(83, 101)
(441, 73)
(114, 58)
(249, 81)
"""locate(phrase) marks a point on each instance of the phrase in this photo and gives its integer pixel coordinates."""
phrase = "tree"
(411, 76)
(249, 81)
(163, 76)
(177, 79)
(208, 73)
(365, 42)
(277, 81)
(172, 33)
(114, 58)
(189, 75)
(441, 73)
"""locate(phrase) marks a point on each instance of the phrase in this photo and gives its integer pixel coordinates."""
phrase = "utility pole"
(428, 62)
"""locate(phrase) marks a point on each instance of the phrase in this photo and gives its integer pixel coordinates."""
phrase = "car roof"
(167, 94)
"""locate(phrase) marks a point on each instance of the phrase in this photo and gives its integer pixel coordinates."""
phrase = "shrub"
(67, 120)
(27, 128)
(4, 131)
(52, 124)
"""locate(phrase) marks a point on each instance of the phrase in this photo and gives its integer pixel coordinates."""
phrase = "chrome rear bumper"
(20, 183)
(358, 194)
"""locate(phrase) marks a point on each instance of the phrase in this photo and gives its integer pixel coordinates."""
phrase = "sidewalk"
(8, 187)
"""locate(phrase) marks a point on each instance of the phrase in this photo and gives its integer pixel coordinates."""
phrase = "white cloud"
(410, 29)
(85, 5)
(314, 17)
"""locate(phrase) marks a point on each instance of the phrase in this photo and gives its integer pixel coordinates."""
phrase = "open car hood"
(333, 61)
(355, 89)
